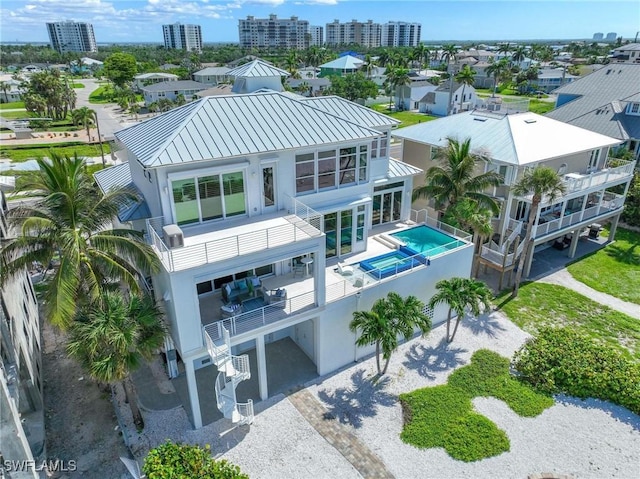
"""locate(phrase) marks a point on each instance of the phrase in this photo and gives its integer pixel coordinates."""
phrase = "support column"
(614, 227)
(262, 368)
(529, 260)
(192, 387)
(574, 243)
(319, 270)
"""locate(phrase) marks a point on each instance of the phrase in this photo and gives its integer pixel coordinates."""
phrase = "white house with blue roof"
(275, 218)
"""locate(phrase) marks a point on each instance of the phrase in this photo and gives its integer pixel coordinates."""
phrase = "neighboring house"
(28, 69)
(314, 86)
(146, 79)
(629, 53)
(212, 75)
(243, 60)
(341, 66)
(606, 101)
(13, 89)
(551, 78)
(265, 214)
(168, 66)
(435, 101)
(171, 90)
(21, 395)
(218, 90)
(596, 186)
(256, 75)
(308, 72)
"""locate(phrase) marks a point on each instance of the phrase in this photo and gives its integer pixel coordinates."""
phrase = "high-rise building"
(316, 35)
(274, 32)
(598, 36)
(182, 37)
(611, 37)
(70, 36)
(21, 408)
(366, 34)
(400, 34)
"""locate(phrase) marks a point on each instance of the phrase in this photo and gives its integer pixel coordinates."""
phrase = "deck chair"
(345, 269)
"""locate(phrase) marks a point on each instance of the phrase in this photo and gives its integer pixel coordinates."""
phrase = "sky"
(141, 20)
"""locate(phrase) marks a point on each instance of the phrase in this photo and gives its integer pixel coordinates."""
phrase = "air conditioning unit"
(173, 236)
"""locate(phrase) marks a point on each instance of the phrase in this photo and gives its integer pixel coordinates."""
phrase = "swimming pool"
(389, 264)
(427, 241)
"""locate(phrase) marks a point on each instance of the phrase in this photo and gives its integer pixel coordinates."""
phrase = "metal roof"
(145, 76)
(257, 68)
(595, 93)
(119, 176)
(213, 71)
(236, 125)
(399, 169)
(176, 86)
(518, 139)
(346, 62)
(351, 111)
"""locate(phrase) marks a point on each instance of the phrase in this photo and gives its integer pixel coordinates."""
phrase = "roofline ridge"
(397, 122)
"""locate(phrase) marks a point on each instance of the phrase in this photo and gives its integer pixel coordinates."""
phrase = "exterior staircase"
(231, 371)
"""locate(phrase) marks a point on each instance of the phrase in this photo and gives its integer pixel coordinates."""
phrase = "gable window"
(330, 169)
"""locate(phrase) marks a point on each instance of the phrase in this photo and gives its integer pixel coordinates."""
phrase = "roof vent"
(530, 120)
(480, 119)
(608, 71)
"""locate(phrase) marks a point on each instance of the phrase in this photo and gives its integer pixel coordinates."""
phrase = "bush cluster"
(561, 360)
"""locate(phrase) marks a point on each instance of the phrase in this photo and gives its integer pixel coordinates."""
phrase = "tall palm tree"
(398, 77)
(449, 55)
(519, 54)
(468, 215)
(542, 182)
(134, 109)
(369, 66)
(462, 295)
(466, 76)
(112, 338)
(5, 87)
(420, 54)
(70, 220)
(389, 318)
(455, 180)
(292, 62)
(86, 117)
(497, 70)
(315, 56)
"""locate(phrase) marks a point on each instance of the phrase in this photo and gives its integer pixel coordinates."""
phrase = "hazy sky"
(141, 20)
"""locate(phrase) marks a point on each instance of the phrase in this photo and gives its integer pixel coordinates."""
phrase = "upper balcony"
(203, 244)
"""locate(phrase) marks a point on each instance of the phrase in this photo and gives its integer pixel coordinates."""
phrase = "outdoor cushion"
(242, 285)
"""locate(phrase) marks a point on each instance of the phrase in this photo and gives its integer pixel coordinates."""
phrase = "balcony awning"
(400, 169)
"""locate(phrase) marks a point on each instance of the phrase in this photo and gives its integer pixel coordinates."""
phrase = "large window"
(330, 169)
(387, 203)
(208, 197)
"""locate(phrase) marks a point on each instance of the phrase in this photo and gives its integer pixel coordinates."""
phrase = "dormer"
(257, 75)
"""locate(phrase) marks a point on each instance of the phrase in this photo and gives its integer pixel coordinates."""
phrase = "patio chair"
(298, 269)
(345, 269)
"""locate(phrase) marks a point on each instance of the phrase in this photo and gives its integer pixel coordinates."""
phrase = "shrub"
(561, 360)
(183, 461)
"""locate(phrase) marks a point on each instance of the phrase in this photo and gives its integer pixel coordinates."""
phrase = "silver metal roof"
(399, 169)
(212, 71)
(175, 86)
(119, 176)
(351, 111)
(236, 125)
(257, 68)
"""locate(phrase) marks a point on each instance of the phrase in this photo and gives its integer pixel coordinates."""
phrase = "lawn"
(615, 269)
(443, 416)
(27, 152)
(77, 85)
(541, 304)
(407, 118)
(101, 95)
(11, 105)
(540, 107)
(12, 115)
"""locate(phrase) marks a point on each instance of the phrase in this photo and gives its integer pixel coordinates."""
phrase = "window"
(347, 166)
(305, 173)
(634, 108)
(360, 219)
(362, 175)
(330, 169)
(326, 169)
(185, 201)
(593, 160)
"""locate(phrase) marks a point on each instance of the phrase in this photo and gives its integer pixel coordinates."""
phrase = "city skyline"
(140, 21)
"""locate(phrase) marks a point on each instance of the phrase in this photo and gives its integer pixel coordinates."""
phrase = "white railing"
(612, 203)
(305, 212)
(500, 257)
(175, 259)
(422, 216)
(245, 409)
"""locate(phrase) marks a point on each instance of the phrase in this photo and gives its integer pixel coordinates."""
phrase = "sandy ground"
(79, 418)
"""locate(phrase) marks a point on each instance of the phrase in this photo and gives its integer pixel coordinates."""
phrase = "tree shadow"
(428, 360)
(619, 413)
(624, 255)
(350, 405)
(483, 324)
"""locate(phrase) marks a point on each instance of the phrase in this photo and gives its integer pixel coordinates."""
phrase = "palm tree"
(164, 104)
(468, 215)
(5, 87)
(180, 100)
(134, 109)
(389, 318)
(505, 48)
(86, 117)
(398, 77)
(70, 220)
(420, 54)
(315, 57)
(466, 76)
(542, 182)
(369, 66)
(112, 338)
(519, 54)
(455, 180)
(462, 295)
(497, 70)
(292, 62)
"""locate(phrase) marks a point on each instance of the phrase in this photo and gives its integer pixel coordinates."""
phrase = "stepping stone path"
(360, 456)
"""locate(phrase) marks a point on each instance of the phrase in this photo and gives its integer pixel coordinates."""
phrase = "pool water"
(427, 241)
(392, 263)
(387, 260)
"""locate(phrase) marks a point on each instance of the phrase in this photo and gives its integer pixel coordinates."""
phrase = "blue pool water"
(392, 263)
(427, 241)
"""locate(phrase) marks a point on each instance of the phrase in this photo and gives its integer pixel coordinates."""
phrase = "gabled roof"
(346, 62)
(119, 176)
(215, 91)
(594, 92)
(257, 68)
(145, 76)
(175, 86)
(517, 139)
(351, 111)
(213, 71)
(236, 125)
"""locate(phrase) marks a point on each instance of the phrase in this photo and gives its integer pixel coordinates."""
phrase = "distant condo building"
(611, 37)
(70, 36)
(183, 37)
(400, 34)
(598, 36)
(316, 36)
(274, 32)
(366, 34)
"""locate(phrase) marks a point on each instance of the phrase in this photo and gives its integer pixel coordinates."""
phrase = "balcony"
(204, 244)
(618, 171)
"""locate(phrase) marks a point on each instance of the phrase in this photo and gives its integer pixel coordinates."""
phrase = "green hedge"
(561, 360)
(443, 416)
